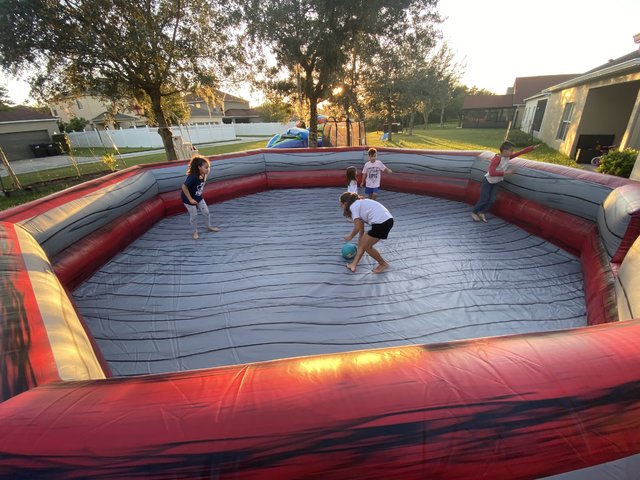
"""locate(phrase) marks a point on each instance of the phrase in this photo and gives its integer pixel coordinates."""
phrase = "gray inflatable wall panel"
(627, 281)
(565, 193)
(277, 161)
(172, 177)
(435, 164)
(425, 163)
(62, 226)
(615, 216)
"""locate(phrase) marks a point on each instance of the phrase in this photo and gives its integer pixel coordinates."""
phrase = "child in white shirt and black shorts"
(364, 210)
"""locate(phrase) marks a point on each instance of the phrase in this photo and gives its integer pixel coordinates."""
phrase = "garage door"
(16, 145)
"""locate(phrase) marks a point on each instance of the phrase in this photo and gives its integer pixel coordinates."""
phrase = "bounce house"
(293, 138)
(297, 137)
(130, 350)
(331, 133)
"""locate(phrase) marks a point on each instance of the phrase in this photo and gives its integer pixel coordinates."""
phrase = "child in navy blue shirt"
(192, 193)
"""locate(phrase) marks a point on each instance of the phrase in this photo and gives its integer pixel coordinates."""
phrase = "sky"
(499, 40)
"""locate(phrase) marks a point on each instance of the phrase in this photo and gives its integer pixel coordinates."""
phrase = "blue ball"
(349, 251)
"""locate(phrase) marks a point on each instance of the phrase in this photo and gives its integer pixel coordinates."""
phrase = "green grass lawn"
(452, 138)
(99, 151)
(42, 182)
(433, 138)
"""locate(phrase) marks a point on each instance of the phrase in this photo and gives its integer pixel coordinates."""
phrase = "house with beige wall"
(203, 113)
(232, 109)
(498, 111)
(96, 111)
(598, 108)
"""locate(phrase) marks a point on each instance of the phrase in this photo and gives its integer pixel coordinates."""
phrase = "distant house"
(22, 127)
(487, 111)
(234, 110)
(237, 110)
(95, 110)
(496, 111)
(201, 112)
(598, 108)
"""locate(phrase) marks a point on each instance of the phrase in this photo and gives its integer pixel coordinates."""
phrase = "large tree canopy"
(148, 51)
(312, 39)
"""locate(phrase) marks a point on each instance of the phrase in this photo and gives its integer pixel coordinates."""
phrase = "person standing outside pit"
(498, 168)
(372, 173)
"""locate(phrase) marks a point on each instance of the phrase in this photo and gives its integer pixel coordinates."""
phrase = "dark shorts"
(369, 191)
(381, 230)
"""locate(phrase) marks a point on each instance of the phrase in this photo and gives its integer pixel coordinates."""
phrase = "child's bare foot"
(213, 229)
(381, 268)
(475, 217)
(195, 235)
(482, 217)
(351, 267)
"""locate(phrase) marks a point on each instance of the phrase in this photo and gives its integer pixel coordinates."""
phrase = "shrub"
(76, 124)
(522, 139)
(619, 163)
(109, 160)
(63, 140)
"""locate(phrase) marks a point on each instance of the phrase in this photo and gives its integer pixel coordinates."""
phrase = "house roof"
(118, 117)
(191, 98)
(616, 61)
(21, 114)
(619, 66)
(204, 112)
(487, 101)
(525, 87)
(241, 112)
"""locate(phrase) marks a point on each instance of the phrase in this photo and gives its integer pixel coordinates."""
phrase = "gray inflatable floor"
(272, 284)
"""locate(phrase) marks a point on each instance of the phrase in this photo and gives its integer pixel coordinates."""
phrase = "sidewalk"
(45, 163)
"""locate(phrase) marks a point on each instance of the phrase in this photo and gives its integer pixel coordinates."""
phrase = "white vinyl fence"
(148, 137)
(261, 129)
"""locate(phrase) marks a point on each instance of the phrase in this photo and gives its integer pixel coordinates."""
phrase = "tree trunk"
(389, 121)
(442, 116)
(411, 118)
(163, 127)
(425, 113)
(313, 122)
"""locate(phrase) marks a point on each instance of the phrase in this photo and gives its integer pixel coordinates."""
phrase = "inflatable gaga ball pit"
(506, 350)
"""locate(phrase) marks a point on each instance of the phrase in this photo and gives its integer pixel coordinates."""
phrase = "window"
(79, 103)
(565, 122)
